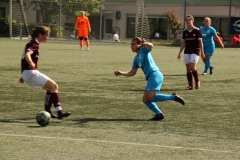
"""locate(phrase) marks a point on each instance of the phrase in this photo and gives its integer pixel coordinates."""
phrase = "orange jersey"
(82, 23)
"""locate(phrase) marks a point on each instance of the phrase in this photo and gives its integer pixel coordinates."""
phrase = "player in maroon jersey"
(192, 42)
(33, 77)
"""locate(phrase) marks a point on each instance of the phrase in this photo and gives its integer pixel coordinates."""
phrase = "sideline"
(122, 143)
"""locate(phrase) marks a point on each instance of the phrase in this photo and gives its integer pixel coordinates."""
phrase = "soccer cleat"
(81, 49)
(61, 114)
(88, 48)
(48, 109)
(157, 117)
(189, 88)
(178, 98)
(204, 73)
(53, 116)
(197, 85)
(211, 68)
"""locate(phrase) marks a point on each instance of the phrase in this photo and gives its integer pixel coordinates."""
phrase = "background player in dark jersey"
(33, 77)
(192, 42)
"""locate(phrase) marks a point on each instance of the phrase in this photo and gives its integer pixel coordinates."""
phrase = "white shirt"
(116, 37)
(157, 35)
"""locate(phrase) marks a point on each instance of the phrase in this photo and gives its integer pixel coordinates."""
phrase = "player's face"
(134, 46)
(207, 22)
(43, 38)
(189, 21)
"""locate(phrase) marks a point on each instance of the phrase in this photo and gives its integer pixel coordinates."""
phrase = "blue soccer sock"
(162, 97)
(207, 65)
(153, 106)
(210, 63)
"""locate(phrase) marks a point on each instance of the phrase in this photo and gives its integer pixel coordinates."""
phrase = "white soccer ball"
(43, 118)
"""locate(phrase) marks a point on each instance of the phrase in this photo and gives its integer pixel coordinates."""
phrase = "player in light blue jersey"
(208, 35)
(153, 76)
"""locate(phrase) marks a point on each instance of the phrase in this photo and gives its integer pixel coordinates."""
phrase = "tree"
(173, 21)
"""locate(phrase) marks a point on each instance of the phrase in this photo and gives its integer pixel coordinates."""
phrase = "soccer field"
(109, 120)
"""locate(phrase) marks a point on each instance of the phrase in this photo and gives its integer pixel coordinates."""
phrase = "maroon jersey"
(32, 46)
(191, 39)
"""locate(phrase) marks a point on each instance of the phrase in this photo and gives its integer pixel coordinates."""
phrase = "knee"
(149, 98)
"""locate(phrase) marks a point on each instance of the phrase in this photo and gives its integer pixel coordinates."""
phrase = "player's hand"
(21, 80)
(32, 66)
(117, 73)
(178, 57)
(222, 45)
(203, 56)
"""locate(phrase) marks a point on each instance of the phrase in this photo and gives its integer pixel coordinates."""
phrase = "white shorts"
(34, 78)
(190, 58)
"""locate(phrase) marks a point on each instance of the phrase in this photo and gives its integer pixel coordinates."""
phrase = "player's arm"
(89, 26)
(201, 49)
(219, 41)
(21, 80)
(29, 59)
(148, 45)
(76, 24)
(128, 74)
(181, 49)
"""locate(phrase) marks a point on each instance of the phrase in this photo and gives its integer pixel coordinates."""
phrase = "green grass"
(109, 120)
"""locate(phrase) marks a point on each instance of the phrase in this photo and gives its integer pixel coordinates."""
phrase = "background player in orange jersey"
(83, 26)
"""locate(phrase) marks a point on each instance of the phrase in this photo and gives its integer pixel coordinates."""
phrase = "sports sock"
(87, 42)
(195, 75)
(189, 78)
(210, 63)
(56, 101)
(81, 43)
(48, 101)
(207, 65)
(162, 97)
(153, 107)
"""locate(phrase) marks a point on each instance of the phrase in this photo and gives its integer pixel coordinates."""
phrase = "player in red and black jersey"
(193, 48)
(33, 77)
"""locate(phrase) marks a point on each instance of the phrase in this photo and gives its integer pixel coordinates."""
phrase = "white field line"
(122, 143)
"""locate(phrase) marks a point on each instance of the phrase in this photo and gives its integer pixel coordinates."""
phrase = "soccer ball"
(43, 118)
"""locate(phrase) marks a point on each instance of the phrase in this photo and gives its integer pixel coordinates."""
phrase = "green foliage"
(4, 25)
(173, 21)
(56, 31)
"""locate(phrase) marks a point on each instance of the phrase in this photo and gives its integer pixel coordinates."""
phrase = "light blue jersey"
(145, 61)
(207, 38)
(207, 35)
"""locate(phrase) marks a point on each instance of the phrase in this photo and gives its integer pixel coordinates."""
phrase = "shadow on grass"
(24, 120)
(174, 75)
(85, 120)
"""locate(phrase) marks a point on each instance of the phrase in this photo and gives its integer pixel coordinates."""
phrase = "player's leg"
(150, 96)
(81, 43)
(189, 72)
(38, 80)
(52, 87)
(86, 39)
(80, 36)
(154, 84)
(48, 104)
(193, 67)
(208, 51)
(153, 107)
